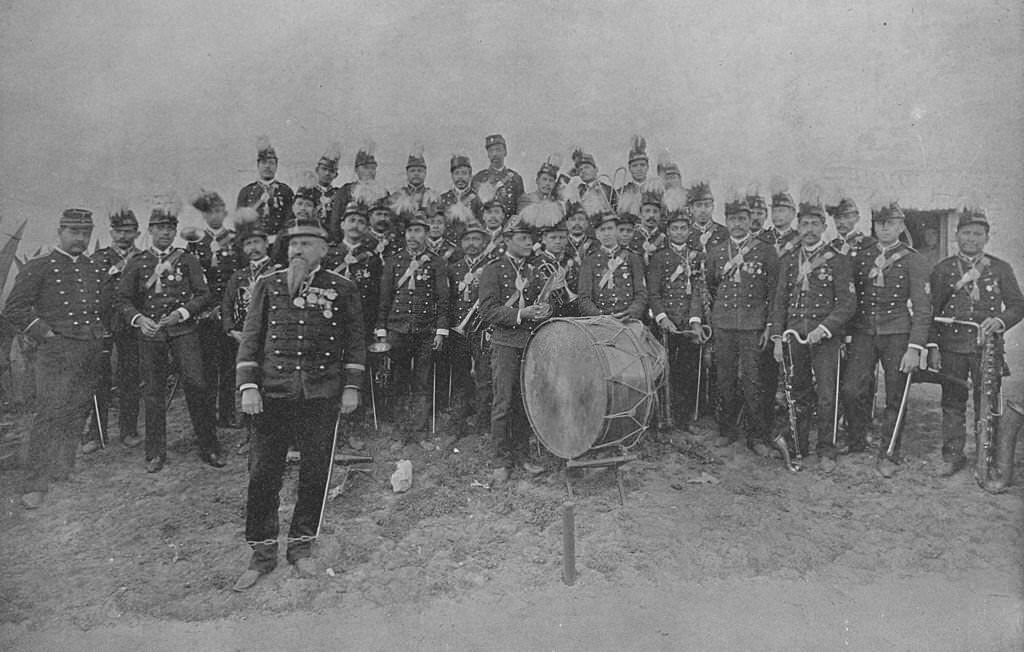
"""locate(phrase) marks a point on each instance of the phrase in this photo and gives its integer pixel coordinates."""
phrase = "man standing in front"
(302, 347)
(504, 184)
(969, 286)
(894, 315)
(741, 277)
(61, 301)
(161, 291)
(509, 288)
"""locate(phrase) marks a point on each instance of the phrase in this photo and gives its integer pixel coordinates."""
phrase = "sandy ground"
(752, 558)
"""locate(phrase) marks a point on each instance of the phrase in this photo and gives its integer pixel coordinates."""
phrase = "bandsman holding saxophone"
(814, 297)
(894, 313)
(972, 286)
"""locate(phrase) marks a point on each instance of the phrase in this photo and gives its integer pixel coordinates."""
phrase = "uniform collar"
(679, 249)
(891, 248)
(741, 242)
(74, 259)
(815, 249)
(259, 263)
(159, 253)
(349, 244)
(611, 251)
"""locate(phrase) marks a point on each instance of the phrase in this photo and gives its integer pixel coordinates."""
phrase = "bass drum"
(590, 383)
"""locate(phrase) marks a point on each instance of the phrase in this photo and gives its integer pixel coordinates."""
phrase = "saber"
(451, 374)
(330, 471)
(99, 423)
(373, 405)
(174, 390)
(835, 397)
(899, 415)
(666, 406)
(433, 398)
(700, 374)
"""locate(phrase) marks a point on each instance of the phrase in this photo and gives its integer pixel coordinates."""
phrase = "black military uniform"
(704, 236)
(612, 282)
(580, 247)
(122, 338)
(506, 183)
(884, 328)
(969, 289)
(271, 199)
(219, 256)
(741, 278)
(815, 290)
(155, 284)
(360, 262)
(238, 292)
(469, 347)
(413, 309)
(674, 291)
(507, 285)
(299, 352)
(325, 195)
(61, 301)
(596, 186)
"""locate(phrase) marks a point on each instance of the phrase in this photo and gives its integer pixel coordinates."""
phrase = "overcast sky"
(109, 101)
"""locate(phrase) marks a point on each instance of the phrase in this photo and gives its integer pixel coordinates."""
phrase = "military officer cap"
(700, 191)
(495, 139)
(207, 201)
(304, 227)
(365, 156)
(558, 226)
(309, 193)
(162, 217)
(416, 159)
(354, 208)
(737, 207)
(331, 157)
(638, 150)
(972, 216)
(671, 170)
(517, 225)
(76, 218)
(890, 212)
(549, 169)
(264, 150)
(678, 216)
(783, 200)
(846, 205)
(575, 207)
(808, 209)
(381, 204)
(122, 218)
(584, 158)
(651, 198)
(251, 230)
(626, 217)
(494, 203)
(419, 218)
(460, 161)
(476, 228)
(605, 216)
(757, 202)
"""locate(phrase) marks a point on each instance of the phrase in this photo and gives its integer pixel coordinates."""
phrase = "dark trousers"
(310, 425)
(219, 351)
(954, 401)
(154, 356)
(736, 366)
(458, 354)
(480, 346)
(412, 355)
(65, 373)
(510, 428)
(129, 392)
(864, 353)
(769, 384)
(683, 358)
(814, 391)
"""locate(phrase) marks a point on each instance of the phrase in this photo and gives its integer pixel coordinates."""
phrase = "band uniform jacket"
(112, 260)
(854, 241)
(581, 248)
(814, 289)
(361, 264)
(414, 293)
(508, 186)
(446, 249)
(384, 245)
(741, 289)
(155, 289)
(464, 281)
(52, 292)
(612, 282)
(674, 284)
(785, 243)
(467, 198)
(238, 294)
(496, 246)
(708, 236)
(308, 347)
(645, 244)
(967, 292)
(883, 295)
(272, 201)
(219, 258)
(499, 301)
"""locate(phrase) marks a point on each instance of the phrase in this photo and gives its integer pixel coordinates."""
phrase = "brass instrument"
(555, 290)
(472, 322)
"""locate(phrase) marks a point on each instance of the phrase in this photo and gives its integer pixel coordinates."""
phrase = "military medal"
(299, 302)
(328, 313)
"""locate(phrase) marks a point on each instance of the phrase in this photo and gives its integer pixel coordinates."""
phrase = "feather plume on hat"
(246, 215)
(331, 156)
(205, 201)
(674, 200)
(486, 191)
(367, 192)
(167, 202)
(638, 144)
(629, 201)
(664, 161)
(430, 197)
(403, 203)
(543, 214)
(653, 185)
(459, 212)
(595, 203)
(811, 192)
(570, 190)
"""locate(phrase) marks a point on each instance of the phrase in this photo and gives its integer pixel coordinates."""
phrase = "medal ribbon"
(166, 265)
(608, 278)
(410, 274)
(733, 265)
(883, 263)
(970, 277)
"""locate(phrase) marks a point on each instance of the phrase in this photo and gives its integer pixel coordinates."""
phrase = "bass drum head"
(564, 388)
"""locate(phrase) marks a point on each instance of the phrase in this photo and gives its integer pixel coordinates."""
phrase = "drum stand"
(614, 463)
